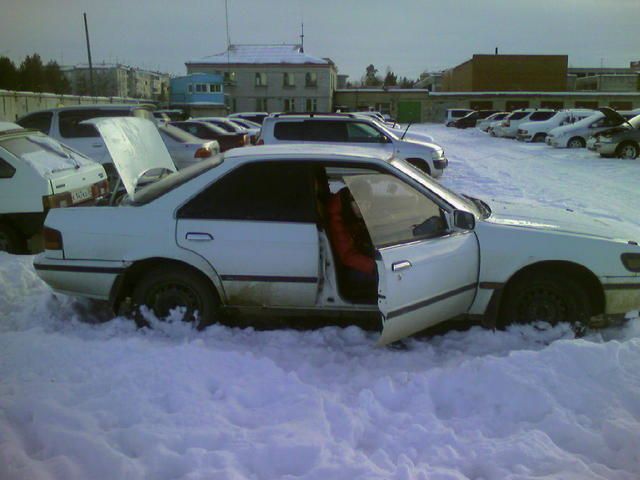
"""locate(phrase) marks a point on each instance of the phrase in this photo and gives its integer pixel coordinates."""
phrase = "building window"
(516, 104)
(214, 88)
(621, 105)
(481, 105)
(289, 105)
(312, 105)
(261, 79)
(229, 77)
(288, 80)
(201, 87)
(261, 105)
(311, 79)
(190, 88)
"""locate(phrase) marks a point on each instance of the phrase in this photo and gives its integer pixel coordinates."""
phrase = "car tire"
(539, 137)
(163, 289)
(628, 150)
(420, 164)
(546, 297)
(576, 142)
(10, 240)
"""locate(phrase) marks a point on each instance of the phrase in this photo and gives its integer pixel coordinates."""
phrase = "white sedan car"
(246, 232)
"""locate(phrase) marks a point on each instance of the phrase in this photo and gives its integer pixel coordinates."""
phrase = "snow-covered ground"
(81, 398)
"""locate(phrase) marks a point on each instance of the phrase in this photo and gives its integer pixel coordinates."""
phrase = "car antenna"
(406, 130)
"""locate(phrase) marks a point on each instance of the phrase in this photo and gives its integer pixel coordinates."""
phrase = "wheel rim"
(165, 297)
(576, 143)
(542, 304)
(628, 151)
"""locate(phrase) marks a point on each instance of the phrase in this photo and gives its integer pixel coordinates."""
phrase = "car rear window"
(178, 135)
(539, 116)
(289, 130)
(163, 186)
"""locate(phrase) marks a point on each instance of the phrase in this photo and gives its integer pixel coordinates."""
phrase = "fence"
(16, 104)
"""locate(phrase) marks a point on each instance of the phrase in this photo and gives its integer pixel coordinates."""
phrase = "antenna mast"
(226, 16)
(302, 38)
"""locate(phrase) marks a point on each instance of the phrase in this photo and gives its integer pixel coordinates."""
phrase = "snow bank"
(83, 398)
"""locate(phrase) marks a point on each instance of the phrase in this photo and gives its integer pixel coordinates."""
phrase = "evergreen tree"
(8, 74)
(55, 81)
(32, 74)
(390, 78)
(371, 79)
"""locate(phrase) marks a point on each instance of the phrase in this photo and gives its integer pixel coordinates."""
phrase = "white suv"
(36, 174)
(536, 131)
(509, 126)
(354, 130)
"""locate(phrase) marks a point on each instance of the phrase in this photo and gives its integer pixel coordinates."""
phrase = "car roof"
(310, 152)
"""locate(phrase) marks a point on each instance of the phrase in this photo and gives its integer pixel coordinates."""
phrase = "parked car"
(37, 173)
(508, 128)
(229, 125)
(67, 125)
(486, 124)
(198, 241)
(622, 141)
(454, 114)
(577, 134)
(174, 114)
(252, 128)
(536, 131)
(209, 131)
(256, 117)
(355, 130)
(470, 120)
(403, 132)
(184, 148)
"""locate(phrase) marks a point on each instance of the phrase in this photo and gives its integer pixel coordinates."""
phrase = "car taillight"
(59, 200)
(245, 139)
(202, 152)
(260, 141)
(52, 239)
(100, 189)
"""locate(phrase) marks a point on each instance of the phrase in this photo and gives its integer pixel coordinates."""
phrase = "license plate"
(81, 195)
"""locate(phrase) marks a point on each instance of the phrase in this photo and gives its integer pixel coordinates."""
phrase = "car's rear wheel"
(10, 240)
(545, 297)
(576, 142)
(539, 137)
(165, 289)
(628, 150)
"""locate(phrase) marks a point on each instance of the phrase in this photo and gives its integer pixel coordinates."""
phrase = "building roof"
(266, 54)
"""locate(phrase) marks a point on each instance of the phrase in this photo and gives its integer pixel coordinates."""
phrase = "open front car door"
(428, 271)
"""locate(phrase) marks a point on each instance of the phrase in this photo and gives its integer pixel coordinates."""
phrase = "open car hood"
(135, 147)
(613, 116)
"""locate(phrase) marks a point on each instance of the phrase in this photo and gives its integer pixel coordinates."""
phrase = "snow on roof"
(262, 54)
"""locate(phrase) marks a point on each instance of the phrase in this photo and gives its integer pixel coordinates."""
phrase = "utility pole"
(86, 32)
(302, 39)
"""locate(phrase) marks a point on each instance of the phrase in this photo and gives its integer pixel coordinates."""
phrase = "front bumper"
(606, 148)
(621, 295)
(82, 278)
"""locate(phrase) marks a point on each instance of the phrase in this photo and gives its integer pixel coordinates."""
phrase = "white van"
(38, 173)
(537, 131)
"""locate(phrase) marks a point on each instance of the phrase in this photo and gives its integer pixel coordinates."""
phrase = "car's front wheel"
(576, 142)
(164, 290)
(628, 150)
(545, 297)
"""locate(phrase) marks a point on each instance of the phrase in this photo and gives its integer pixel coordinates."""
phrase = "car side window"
(325, 131)
(262, 191)
(364, 133)
(38, 121)
(6, 170)
(70, 126)
(394, 211)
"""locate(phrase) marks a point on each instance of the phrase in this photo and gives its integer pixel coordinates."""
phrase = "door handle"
(97, 145)
(400, 265)
(199, 237)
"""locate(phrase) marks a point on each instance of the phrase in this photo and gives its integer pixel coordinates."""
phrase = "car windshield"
(635, 121)
(170, 182)
(453, 199)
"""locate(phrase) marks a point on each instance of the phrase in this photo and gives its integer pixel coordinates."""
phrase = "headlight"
(605, 140)
(631, 261)
(437, 154)
(524, 132)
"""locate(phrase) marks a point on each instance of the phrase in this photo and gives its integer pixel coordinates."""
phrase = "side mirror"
(464, 220)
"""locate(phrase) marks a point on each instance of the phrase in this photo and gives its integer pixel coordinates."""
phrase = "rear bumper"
(94, 279)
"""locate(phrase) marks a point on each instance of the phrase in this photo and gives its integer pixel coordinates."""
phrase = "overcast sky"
(410, 36)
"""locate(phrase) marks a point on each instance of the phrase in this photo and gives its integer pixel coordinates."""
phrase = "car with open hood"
(622, 141)
(245, 235)
(536, 131)
(577, 134)
(37, 174)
